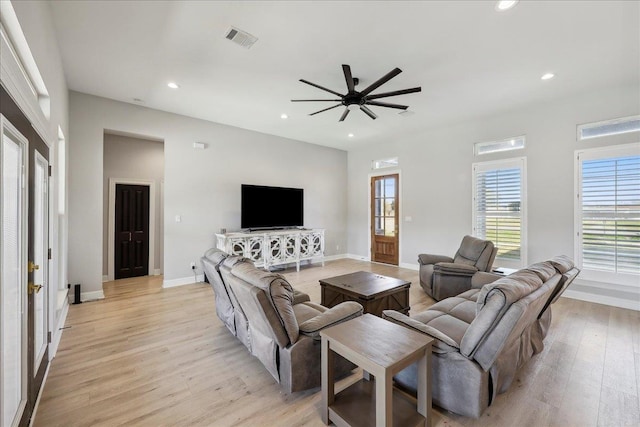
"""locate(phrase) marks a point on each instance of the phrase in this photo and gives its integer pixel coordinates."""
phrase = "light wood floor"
(147, 356)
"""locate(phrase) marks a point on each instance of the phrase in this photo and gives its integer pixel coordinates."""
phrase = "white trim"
(39, 353)
(410, 266)
(105, 278)
(359, 257)
(612, 151)
(602, 299)
(56, 334)
(478, 145)
(112, 222)
(626, 119)
(23, 143)
(520, 162)
(399, 209)
(16, 80)
(182, 281)
(156, 272)
(91, 296)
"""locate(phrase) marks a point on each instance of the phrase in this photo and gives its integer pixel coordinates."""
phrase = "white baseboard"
(358, 257)
(409, 266)
(90, 296)
(105, 279)
(157, 272)
(57, 332)
(335, 257)
(182, 281)
(602, 299)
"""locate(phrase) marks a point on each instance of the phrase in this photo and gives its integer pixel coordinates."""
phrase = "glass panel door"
(40, 259)
(13, 252)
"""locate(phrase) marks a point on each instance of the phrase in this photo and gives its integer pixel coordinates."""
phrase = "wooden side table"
(382, 349)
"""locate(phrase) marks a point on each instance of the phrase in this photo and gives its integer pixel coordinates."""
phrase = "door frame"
(384, 172)
(112, 222)
(24, 241)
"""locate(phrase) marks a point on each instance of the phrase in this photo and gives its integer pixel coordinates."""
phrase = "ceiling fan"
(354, 100)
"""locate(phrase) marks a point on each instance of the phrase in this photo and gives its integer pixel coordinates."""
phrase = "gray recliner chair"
(442, 277)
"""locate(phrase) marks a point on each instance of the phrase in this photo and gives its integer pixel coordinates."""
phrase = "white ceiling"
(470, 60)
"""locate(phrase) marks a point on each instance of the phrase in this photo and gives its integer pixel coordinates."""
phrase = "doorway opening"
(133, 183)
(384, 214)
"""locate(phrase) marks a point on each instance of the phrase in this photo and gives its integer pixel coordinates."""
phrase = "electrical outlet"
(337, 247)
(193, 265)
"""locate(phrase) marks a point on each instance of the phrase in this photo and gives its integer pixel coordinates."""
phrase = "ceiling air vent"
(240, 37)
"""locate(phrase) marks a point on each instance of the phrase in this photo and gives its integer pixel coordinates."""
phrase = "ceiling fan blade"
(320, 87)
(386, 104)
(382, 80)
(368, 112)
(316, 100)
(344, 115)
(394, 93)
(335, 106)
(349, 78)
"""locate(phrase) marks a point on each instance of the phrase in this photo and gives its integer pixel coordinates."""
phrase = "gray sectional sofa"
(278, 325)
(484, 335)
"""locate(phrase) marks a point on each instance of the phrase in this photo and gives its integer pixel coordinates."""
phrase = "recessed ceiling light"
(503, 5)
(350, 135)
(548, 76)
(173, 85)
(284, 116)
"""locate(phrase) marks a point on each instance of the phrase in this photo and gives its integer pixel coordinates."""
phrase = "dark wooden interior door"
(131, 231)
(384, 219)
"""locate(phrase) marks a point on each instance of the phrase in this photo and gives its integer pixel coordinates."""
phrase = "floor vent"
(240, 37)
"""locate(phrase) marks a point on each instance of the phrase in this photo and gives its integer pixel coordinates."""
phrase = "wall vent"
(240, 37)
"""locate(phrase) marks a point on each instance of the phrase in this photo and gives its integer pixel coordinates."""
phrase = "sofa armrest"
(482, 278)
(344, 311)
(424, 259)
(401, 319)
(299, 297)
(454, 269)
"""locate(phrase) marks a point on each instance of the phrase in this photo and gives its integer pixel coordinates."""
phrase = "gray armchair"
(442, 277)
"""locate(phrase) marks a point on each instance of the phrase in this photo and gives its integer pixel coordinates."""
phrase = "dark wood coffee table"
(373, 291)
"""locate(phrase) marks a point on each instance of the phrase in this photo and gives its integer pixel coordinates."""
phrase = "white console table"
(267, 248)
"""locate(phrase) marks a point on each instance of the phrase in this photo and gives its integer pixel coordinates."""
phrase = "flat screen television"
(271, 207)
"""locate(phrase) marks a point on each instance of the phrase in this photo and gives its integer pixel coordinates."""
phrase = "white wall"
(37, 26)
(202, 186)
(133, 158)
(436, 174)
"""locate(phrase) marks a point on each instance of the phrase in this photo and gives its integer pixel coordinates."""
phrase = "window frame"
(612, 151)
(618, 120)
(515, 162)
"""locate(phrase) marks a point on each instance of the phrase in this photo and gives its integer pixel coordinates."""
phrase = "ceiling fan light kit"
(359, 100)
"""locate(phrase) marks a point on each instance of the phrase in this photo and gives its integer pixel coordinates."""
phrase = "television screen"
(270, 207)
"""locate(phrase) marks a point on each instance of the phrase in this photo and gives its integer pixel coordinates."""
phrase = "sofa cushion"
(470, 250)
(450, 316)
(277, 289)
(215, 255)
(562, 263)
(544, 270)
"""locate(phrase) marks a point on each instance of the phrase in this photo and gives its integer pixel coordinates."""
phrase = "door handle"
(129, 236)
(32, 266)
(33, 289)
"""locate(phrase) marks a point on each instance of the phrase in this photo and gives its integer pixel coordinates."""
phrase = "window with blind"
(499, 207)
(609, 210)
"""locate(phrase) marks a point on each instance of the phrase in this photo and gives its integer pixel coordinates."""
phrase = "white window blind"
(609, 199)
(498, 202)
